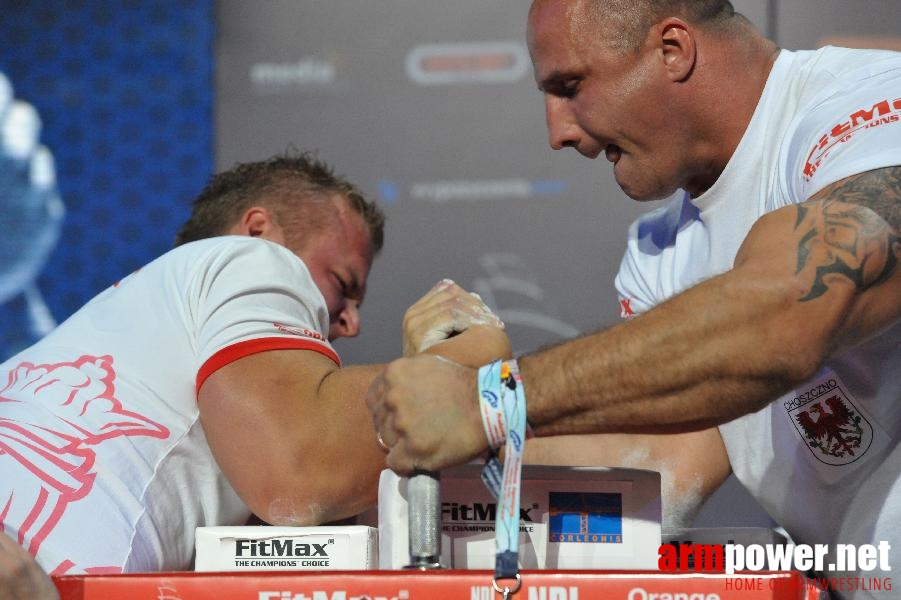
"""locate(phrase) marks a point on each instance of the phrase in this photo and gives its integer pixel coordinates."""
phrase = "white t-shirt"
(824, 460)
(105, 467)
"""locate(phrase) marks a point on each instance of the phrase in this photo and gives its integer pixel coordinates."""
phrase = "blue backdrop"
(125, 93)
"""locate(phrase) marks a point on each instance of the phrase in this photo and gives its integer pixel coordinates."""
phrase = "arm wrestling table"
(436, 585)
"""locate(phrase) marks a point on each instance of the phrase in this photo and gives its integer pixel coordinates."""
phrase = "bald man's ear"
(678, 47)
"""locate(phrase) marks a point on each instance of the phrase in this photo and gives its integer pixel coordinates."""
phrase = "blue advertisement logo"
(586, 517)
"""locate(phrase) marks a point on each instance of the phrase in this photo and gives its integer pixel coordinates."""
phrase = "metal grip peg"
(424, 502)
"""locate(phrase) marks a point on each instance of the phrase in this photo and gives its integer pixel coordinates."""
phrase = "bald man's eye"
(569, 88)
(564, 88)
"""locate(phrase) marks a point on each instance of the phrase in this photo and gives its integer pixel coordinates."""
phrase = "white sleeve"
(851, 132)
(249, 296)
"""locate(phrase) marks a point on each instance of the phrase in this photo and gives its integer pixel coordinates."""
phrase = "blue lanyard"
(501, 381)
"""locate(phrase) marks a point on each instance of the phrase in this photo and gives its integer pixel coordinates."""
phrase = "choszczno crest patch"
(833, 429)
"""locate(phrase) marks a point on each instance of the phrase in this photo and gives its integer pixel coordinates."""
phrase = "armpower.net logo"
(738, 558)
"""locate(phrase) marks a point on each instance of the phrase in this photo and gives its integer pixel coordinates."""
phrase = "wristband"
(490, 405)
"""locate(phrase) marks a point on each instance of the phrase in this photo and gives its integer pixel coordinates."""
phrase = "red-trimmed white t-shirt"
(105, 467)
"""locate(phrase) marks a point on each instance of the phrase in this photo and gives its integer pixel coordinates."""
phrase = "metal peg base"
(426, 563)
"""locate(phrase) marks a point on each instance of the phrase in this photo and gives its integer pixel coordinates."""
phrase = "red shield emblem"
(833, 429)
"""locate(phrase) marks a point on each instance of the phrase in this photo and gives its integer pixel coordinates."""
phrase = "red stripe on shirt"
(248, 347)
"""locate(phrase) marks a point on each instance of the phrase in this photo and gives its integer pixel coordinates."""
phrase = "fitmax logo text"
(278, 548)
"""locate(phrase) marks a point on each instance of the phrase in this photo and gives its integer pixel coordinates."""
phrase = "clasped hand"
(425, 407)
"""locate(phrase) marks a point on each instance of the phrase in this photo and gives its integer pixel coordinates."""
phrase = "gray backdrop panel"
(432, 109)
(471, 189)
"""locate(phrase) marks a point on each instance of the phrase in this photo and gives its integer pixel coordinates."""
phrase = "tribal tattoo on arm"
(851, 230)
